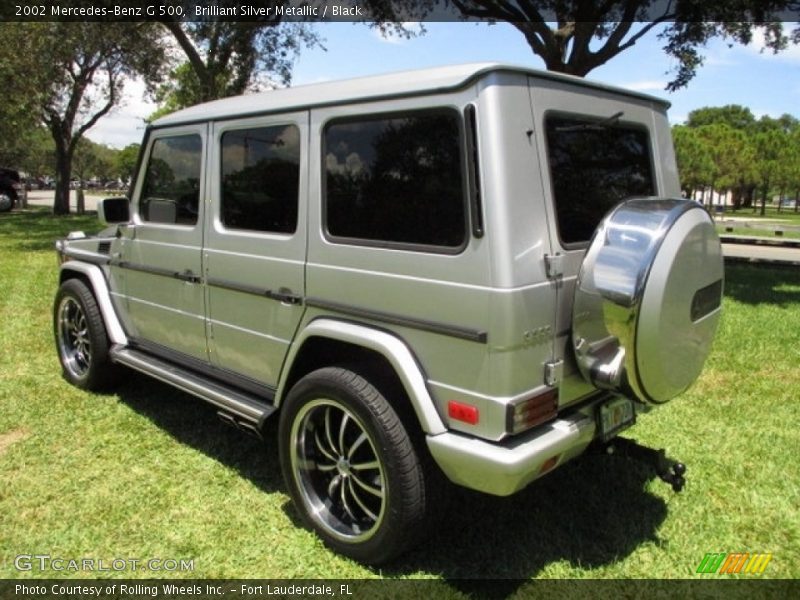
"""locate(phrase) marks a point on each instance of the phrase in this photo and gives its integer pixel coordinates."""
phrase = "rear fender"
(392, 348)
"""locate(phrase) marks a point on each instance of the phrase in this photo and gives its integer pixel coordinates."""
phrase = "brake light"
(532, 411)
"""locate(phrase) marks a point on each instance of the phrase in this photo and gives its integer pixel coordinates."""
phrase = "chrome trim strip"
(131, 266)
(464, 333)
(286, 297)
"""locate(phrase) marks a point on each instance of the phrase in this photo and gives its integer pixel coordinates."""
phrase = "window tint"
(396, 179)
(260, 178)
(594, 166)
(171, 190)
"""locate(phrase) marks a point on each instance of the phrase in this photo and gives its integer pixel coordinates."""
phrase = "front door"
(160, 251)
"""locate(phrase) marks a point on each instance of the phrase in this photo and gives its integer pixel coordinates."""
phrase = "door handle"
(187, 276)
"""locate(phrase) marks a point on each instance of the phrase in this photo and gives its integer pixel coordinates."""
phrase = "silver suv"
(477, 271)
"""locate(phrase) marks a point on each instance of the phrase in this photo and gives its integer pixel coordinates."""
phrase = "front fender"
(99, 287)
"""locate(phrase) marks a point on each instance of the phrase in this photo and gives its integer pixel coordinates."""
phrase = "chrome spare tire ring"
(337, 470)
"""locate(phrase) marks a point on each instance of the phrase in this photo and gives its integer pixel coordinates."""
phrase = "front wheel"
(350, 466)
(81, 338)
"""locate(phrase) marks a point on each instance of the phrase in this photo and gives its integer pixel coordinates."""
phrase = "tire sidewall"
(393, 534)
(96, 376)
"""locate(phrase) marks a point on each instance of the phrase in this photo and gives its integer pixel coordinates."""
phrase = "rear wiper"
(596, 126)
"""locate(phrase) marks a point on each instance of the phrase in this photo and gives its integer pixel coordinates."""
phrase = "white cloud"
(646, 85)
(758, 46)
(125, 124)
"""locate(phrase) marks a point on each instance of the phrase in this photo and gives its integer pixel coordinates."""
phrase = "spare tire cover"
(648, 299)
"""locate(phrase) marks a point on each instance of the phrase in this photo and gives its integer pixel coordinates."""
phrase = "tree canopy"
(577, 36)
(726, 148)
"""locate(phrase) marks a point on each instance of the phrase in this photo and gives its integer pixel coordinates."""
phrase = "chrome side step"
(240, 409)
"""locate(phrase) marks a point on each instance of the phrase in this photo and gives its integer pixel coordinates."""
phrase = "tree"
(695, 163)
(577, 36)
(767, 144)
(225, 58)
(125, 162)
(78, 70)
(89, 160)
(731, 154)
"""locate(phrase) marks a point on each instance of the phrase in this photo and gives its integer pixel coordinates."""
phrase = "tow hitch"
(668, 470)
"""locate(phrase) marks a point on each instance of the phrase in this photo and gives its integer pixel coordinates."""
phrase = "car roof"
(399, 84)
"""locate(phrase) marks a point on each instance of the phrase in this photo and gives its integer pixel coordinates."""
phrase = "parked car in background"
(10, 186)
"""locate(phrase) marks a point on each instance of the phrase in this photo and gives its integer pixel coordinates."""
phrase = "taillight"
(532, 411)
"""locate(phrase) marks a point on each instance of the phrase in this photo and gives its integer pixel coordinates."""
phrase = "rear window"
(593, 166)
(396, 180)
(260, 178)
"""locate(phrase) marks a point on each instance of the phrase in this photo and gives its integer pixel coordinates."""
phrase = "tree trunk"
(63, 169)
(81, 202)
(764, 192)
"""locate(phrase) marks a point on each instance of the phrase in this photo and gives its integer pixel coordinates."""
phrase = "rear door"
(256, 243)
(160, 251)
(597, 150)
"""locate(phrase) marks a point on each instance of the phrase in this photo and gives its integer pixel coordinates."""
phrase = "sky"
(768, 84)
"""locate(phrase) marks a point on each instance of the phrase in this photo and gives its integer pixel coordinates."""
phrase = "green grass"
(786, 214)
(148, 472)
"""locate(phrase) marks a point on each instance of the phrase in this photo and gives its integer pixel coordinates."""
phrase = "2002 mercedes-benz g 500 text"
(476, 270)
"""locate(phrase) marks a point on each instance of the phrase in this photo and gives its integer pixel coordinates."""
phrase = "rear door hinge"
(554, 265)
(553, 372)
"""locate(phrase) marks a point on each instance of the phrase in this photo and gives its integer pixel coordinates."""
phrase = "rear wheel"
(81, 338)
(350, 466)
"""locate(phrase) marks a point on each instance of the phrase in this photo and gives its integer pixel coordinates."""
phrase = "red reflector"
(462, 412)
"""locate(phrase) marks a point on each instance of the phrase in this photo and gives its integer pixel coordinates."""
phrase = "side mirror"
(114, 210)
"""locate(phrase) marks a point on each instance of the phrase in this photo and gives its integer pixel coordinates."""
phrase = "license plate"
(615, 415)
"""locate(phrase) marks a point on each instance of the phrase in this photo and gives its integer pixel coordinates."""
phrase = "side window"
(396, 179)
(260, 178)
(594, 165)
(171, 191)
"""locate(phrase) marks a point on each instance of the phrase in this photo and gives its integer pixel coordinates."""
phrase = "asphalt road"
(745, 252)
(45, 198)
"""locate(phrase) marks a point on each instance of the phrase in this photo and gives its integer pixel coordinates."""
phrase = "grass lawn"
(148, 472)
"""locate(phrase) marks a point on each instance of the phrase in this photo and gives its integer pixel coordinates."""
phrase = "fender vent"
(104, 247)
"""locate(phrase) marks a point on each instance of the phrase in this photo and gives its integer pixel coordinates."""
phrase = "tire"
(81, 339)
(6, 202)
(350, 466)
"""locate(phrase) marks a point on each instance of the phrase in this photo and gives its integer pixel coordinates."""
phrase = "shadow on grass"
(760, 284)
(194, 423)
(590, 512)
(36, 228)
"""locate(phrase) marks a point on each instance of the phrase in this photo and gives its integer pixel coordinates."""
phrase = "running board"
(241, 409)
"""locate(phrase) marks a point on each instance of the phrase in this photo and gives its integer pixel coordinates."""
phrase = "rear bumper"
(504, 468)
